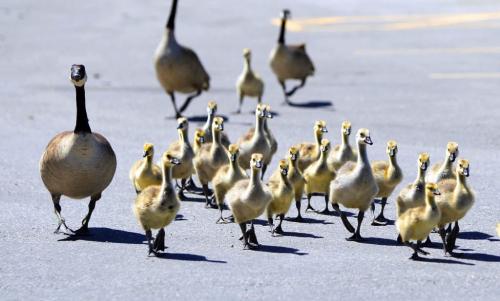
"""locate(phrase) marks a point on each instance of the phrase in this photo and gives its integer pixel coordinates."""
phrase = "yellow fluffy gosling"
(343, 152)
(144, 172)
(210, 158)
(455, 201)
(78, 163)
(444, 170)
(249, 83)
(416, 223)
(388, 175)
(282, 192)
(248, 199)
(156, 206)
(309, 151)
(211, 113)
(318, 176)
(182, 150)
(355, 185)
(226, 177)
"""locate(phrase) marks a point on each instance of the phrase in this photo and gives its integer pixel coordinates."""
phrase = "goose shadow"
(309, 220)
(300, 234)
(478, 257)
(203, 118)
(279, 250)
(312, 104)
(102, 234)
(441, 260)
(187, 257)
(474, 235)
(379, 241)
(193, 199)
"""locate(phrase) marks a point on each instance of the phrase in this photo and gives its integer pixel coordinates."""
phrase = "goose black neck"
(82, 122)
(281, 39)
(171, 18)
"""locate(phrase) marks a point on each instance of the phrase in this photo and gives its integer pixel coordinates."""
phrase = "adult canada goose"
(444, 170)
(211, 113)
(249, 83)
(355, 185)
(456, 199)
(144, 172)
(80, 163)
(182, 150)
(290, 61)
(258, 142)
(388, 175)
(343, 152)
(156, 206)
(178, 68)
(416, 223)
(248, 199)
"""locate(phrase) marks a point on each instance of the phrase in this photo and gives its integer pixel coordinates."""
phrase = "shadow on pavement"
(379, 241)
(187, 257)
(301, 234)
(203, 118)
(313, 104)
(478, 257)
(279, 249)
(442, 260)
(308, 220)
(109, 235)
(474, 235)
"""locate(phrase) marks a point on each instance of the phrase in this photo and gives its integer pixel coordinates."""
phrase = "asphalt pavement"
(422, 73)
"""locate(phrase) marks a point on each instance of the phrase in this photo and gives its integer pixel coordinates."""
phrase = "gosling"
(144, 172)
(283, 193)
(444, 170)
(249, 83)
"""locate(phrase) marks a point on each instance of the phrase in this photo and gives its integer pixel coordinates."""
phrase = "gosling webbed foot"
(419, 250)
(414, 256)
(62, 222)
(82, 231)
(278, 230)
(252, 238)
(309, 207)
(250, 246)
(222, 220)
(399, 240)
(427, 243)
(325, 211)
(380, 220)
(298, 219)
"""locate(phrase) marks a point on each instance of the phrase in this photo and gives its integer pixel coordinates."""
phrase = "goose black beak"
(258, 164)
(179, 126)
(466, 172)
(368, 140)
(145, 154)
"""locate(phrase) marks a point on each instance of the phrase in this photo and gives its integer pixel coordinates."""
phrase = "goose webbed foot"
(252, 238)
(66, 231)
(355, 237)
(294, 89)
(159, 242)
(278, 230)
(414, 256)
(357, 234)
(427, 243)
(309, 207)
(221, 219)
(82, 231)
(399, 240)
(380, 220)
(298, 218)
(188, 101)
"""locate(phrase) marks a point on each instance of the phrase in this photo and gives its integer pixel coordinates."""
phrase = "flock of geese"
(81, 163)
(178, 68)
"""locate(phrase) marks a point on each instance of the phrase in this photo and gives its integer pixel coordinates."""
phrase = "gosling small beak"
(145, 154)
(258, 164)
(221, 127)
(284, 172)
(269, 115)
(368, 140)
(437, 192)
(233, 157)
(324, 130)
(179, 126)
(423, 166)
(348, 132)
(175, 161)
(466, 172)
(293, 157)
(210, 111)
(453, 156)
(392, 152)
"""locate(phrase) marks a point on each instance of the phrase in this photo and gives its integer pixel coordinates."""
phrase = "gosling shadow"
(187, 257)
(308, 220)
(474, 235)
(300, 234)
(441, 260)
(379, 241)
(203, 118)
(102, 234)
(312, 104)
(478, 257)
(279, 250)
(180, 217)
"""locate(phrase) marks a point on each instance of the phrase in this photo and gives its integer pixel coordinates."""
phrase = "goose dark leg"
(246, 245)
(442, 233)
(325, 211)
(182, 188)
(252, 238)
(414, 256)
(221, 220)
(174, 104)
(428, 242)
(298, 205)
(294, 89)
(188, 100)
(149, 237)
(191, 186)
(278, 229)
(159, 243)
(283, 86)
(240, 103)
(380, 219)
(84, 229)
(357, 235)
(208, 201)
(399, 240)
(56, 198)
(309, 207)
(451, 238)
(346, 223)
(419, 248)
(270, 223)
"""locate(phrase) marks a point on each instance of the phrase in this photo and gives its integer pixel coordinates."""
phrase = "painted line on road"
(392, 22)
(466, 75)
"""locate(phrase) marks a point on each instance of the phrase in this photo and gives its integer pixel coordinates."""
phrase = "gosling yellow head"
(199, 135)
(325, 145)
(247, 53)
(218, 124)
(364, 137)
(212, 107)
(182, 123)
(346, 128)
(283, 165)
(233, 150)
(320, 126)
(78, 75)
(260, 110)
(452, 150)
(268, 112)
(168, 159)
(294, 153)
(256, 161)
(148, 150)
(432, 188)
(392, 148)
(423, 161)
(463, 167)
